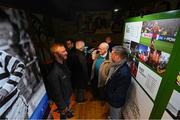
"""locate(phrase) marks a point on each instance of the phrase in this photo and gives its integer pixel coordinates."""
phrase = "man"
(71, 51)
(154, 58)
(80, 71)
(70, 44)
(96, 74)
(118, 81)
(155, 29)
(108, 40)
(11, 72)
(59, 81)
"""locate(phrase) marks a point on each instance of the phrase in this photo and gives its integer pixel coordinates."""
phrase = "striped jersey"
(11, 71)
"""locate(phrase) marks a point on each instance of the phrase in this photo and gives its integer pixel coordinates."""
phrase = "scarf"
(113, 68)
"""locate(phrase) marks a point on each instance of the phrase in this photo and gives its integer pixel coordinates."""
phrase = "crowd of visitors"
(108, 79)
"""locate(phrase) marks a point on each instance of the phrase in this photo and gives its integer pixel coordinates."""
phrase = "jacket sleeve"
(104, 70)
(93, 69)
(83, 64)
(15, 68)
(56, 89)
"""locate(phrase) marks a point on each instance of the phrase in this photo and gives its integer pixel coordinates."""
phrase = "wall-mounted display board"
(173, 106)
(136, 101)
(153, 43)
(22, 90)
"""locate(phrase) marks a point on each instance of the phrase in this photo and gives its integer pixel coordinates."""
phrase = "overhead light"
(116, 10)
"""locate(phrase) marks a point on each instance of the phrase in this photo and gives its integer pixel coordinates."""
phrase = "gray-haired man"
(118, 81)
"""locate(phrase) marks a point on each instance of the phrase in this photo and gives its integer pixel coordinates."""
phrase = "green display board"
(153, 43)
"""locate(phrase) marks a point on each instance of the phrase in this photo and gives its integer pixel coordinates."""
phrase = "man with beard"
(59, 81)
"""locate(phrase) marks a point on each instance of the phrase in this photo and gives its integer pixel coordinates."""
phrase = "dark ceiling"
(67, 8)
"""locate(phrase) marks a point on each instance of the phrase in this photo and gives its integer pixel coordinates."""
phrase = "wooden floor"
(91, 109)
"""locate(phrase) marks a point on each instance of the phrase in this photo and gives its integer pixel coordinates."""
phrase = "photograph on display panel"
(133, 63)
(140, 51)
(160, 34)
(21, 85)
(155, 59)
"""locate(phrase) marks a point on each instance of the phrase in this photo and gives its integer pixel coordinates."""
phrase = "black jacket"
(117, 86)
(60, 84)
(71, 53)
(79, 70)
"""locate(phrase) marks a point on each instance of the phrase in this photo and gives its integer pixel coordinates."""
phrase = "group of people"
(109, 79)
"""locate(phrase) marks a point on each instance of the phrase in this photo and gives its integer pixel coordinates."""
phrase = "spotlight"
(116, 10)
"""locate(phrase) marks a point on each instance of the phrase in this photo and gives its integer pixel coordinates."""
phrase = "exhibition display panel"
(153, 43)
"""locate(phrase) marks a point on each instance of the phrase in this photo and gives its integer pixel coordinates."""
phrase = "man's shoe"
(62, 116)
(69, 114)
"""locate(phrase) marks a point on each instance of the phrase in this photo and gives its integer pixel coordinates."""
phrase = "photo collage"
(155, 59)
(153, 43)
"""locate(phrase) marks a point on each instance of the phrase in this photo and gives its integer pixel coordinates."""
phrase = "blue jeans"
(115, 113)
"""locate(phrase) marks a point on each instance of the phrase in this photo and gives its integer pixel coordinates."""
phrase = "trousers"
(115, 113)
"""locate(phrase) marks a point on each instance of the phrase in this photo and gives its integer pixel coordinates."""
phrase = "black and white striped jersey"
(11, 71)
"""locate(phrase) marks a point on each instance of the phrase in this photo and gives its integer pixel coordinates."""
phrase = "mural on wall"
(97, 22)
(25, 80)
(41, 37)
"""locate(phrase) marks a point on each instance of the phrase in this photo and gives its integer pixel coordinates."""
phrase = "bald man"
(59, 81)
(79, 71)
(96, 75)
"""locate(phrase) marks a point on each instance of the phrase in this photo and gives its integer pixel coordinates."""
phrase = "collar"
(118, 64)
(104, 55)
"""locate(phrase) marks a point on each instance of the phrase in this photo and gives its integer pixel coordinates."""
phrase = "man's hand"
(3, 94)
(65, 110)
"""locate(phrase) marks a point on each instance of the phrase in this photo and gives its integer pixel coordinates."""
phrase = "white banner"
(138, 105)
(166, 116)
(174, 103)
(133, 31)
(148, 79)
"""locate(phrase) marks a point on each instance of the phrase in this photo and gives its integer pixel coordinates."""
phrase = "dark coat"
(80, 76)
(71, 53)
(117, 86)
(111, 45)
(60, 84)
(70, 56)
